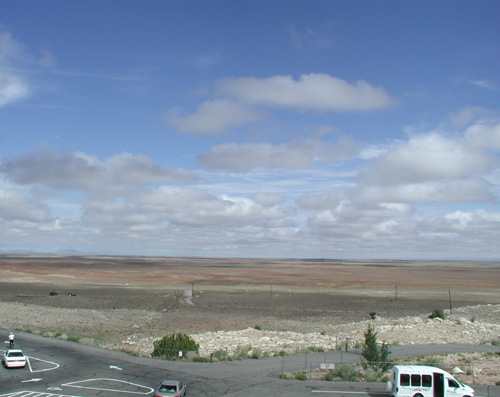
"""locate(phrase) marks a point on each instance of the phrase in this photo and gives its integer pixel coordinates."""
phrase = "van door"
(438, 386)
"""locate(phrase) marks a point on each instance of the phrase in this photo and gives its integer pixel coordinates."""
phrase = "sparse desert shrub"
(282, 353)
(57, 334)
(220, 355)
(241, 352)
(256, 353)
(201, 359)
(52, 293)
(372, 375)
(258, 328)
(495, 342)
(73, 339)
(437, 313)
(373, 315)
(434, 361)
(300, 376)
(346, 373)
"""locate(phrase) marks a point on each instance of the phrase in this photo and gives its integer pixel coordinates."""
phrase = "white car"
(14, 358)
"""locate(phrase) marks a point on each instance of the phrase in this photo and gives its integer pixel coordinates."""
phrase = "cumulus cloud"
(235, 157)
(76, 170)
(463, 191)
(428, 157)
(20, 210)
(187, 207)
(213, 117)
(315, 91)
(242, 100)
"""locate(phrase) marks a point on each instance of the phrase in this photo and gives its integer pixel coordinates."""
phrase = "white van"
(424, 381)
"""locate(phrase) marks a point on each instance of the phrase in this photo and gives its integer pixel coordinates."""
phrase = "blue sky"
(309, 129)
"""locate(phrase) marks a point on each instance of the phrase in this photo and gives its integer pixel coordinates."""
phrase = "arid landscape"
(125, 300)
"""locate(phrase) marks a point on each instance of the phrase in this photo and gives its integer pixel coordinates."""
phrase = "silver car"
(171, 388)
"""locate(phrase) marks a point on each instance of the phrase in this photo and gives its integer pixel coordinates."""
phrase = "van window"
(415, 380)
(404, 380)
(426, 380)
(452, 383)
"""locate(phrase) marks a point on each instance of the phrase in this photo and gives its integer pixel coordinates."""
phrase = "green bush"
(73, 339)
(437, 313)
(346, 373)
(256, 353)
(170, 345)
(258, 328)
(301, 376)
(241, 352)
(221, 355)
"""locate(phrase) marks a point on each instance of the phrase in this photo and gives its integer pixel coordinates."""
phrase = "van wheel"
(418, 395)
(466, 396)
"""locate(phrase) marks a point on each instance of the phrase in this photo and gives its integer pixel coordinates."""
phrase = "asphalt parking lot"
(58, 368)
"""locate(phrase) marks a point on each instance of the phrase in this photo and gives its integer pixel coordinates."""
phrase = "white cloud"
(485, 136)
(294, 155)
(185, 207)
(241, 100)
(320, 92)
(428, 157)
(213, 117)
(484, 84)
(12, 88)
(463, 191)
(21, 211)
(467, 114)
(69, 170)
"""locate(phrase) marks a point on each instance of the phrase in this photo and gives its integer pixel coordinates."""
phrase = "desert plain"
(117, 296)
(128, 302)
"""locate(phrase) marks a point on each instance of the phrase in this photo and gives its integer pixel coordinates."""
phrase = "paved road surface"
(59, 368)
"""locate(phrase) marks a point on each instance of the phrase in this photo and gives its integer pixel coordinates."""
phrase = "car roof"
(172, 382)
(14, 351)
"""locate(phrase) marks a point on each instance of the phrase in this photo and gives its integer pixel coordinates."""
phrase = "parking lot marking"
(26, 393)
(77, 385)
(40, 370)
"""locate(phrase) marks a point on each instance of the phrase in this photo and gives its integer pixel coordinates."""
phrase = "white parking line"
(147, 389)
(26, 393)
(40, 370)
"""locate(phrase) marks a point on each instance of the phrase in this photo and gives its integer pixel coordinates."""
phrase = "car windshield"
(16, 354)
(168, 388)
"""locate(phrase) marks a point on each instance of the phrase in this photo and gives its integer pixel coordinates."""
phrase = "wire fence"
(348, 367)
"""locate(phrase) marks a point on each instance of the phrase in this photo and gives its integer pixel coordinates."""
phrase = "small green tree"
(377, 357)
(170, 345)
